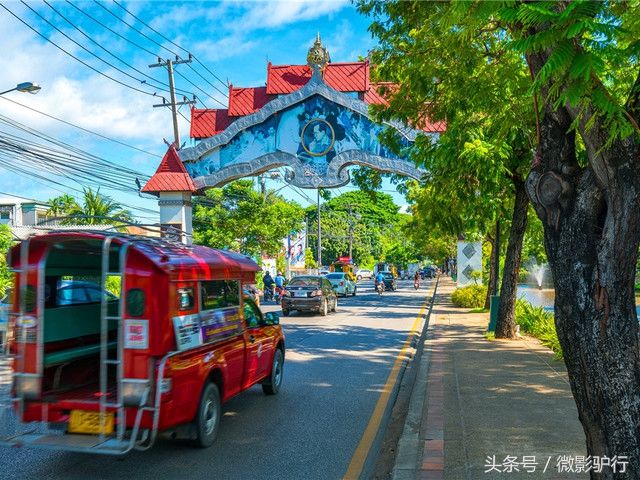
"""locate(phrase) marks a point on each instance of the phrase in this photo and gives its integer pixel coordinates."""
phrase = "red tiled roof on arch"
(207, 122)
(245, 101)
(171, 176)
(348, 77)
(283, 79)
(344, 77)
(377, 92)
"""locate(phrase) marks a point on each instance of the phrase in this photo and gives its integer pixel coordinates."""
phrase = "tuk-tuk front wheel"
(208, 416)
(271, 386)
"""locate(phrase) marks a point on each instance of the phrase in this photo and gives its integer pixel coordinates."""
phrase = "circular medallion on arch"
(317, 137)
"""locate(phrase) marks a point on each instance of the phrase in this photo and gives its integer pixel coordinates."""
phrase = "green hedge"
(472, 296)
(538, 323)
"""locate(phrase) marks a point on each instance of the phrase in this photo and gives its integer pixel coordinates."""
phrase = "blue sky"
(234, 40)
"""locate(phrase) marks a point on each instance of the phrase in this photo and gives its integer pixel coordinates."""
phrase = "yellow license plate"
(82, 421)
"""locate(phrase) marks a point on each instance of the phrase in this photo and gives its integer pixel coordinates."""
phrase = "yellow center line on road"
(362, 451)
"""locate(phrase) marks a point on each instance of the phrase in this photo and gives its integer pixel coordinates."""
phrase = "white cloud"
(274, 13)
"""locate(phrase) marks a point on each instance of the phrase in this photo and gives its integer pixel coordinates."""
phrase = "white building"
(19, 211)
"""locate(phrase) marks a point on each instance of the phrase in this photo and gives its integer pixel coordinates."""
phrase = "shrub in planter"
(471, 296)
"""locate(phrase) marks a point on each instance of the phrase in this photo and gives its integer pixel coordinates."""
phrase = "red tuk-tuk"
(118, 337)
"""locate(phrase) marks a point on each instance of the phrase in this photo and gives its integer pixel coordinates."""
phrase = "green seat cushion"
(69, 354)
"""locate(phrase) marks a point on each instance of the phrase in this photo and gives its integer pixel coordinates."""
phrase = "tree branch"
(633, 102)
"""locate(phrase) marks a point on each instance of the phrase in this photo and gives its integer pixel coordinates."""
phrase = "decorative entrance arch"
(313, 120)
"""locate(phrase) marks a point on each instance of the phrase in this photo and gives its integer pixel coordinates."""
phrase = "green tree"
(236, 217)
(582, 58)
(62, 205)
(6, 279)
(96, 209)
(479, 86)
(368, 220)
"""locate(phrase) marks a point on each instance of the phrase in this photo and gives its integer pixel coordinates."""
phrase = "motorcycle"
(416, 284)
(380, 287)
(279, 294)
(268, 294)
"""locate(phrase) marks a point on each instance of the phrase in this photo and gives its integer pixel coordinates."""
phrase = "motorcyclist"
(268, 286)
(279, 284)
(416, 280)
(379, 279)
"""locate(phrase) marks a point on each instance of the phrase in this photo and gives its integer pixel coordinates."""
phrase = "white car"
(342, 283)
(364, 273)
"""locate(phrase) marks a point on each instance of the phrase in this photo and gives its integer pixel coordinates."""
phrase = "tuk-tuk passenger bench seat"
(67, 355)
(80, 325)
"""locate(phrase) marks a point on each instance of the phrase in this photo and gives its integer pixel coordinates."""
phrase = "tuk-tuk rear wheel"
(208, 417)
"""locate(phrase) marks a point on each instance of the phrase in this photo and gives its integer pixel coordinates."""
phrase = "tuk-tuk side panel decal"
(206, 327)
(188, 331)
(136, 334)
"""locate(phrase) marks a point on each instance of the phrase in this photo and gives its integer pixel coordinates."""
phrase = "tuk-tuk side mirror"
(271, 318)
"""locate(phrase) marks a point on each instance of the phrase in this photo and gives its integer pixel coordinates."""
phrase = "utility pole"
(169, 64)
(319, 235)
(350, 234)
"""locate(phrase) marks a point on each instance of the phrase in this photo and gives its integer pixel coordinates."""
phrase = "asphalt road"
(335, 369)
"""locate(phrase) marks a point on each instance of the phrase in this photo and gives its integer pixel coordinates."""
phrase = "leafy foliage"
(96, 209)
(5, 275)
(373, 222)
(236, 217)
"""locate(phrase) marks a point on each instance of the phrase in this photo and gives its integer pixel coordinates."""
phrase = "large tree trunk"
(493, 280)
(506, 324)
(591, 218)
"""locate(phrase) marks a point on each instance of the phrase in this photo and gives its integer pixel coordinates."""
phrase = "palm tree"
(61, 205)
(97, 209)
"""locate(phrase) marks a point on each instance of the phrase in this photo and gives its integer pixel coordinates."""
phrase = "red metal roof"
(244, 101)
(348, 77)
(286, 78)
(344, 77)
(206, 123)
(171, 175)
(377, 92)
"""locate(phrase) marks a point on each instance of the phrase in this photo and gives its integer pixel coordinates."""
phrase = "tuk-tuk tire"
(271, 386)
(210, 399)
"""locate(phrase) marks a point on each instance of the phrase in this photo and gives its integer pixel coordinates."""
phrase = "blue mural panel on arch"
(316, 138)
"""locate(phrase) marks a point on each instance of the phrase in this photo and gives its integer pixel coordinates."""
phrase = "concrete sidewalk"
(485, 409)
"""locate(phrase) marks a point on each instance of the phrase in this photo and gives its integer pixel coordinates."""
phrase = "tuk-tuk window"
(219, 294)
(135, 302)
(185, 298)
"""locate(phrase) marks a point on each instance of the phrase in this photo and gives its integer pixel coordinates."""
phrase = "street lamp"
(28, 87)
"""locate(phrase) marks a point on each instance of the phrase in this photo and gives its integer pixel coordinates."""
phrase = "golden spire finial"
(318, 56)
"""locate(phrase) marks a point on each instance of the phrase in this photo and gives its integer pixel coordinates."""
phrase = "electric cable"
(76, 58)
(81, 128)
(164, 86)
(176, 45)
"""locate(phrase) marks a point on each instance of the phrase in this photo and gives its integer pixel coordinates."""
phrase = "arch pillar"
(176, 217)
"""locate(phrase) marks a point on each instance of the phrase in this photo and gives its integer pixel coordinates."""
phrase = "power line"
(82, 128)
(111, 30)
(153, 41)
(176, 45)
(93, 159)
(74, 57)
(163, 86)
(177, 55)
